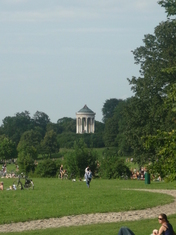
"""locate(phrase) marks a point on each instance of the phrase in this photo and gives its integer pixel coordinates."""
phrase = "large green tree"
(163, 144)
(124, 148)
(108, 108)
(146, 112)
(41, 119)
(67, 124)
(30, 143)
(7, 148)
(50, 144)
(13, 127)
(110, 132)
(80, 158)
(28, 149)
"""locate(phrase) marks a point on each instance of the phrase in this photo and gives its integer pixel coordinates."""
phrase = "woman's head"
(163, 218)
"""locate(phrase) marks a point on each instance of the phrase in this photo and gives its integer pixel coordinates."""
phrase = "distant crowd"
(138, 174)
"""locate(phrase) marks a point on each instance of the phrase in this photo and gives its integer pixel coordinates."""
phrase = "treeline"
(35, 140)
(30, 139)
(21, 131)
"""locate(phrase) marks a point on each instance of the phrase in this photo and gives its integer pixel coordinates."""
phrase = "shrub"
(111, 167)
(80, 158)
(25, 162)
(47, 168)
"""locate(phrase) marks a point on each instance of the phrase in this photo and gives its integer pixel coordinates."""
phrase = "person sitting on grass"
(166, 228)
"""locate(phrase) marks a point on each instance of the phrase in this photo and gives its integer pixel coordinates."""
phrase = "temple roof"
(85, 109)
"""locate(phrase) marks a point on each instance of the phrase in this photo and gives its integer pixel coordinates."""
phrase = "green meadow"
(143, 227)
(57, 198)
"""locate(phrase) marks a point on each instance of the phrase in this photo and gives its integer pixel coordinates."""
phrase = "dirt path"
(67, 221)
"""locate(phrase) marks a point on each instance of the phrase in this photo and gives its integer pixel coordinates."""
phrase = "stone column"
(93, 125)
(77, 125)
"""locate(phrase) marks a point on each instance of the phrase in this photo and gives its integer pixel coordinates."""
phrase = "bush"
(111, 167)
(25, 162)
(80, 158)
(47, 168)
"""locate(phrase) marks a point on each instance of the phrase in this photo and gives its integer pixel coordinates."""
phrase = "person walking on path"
(166, 228)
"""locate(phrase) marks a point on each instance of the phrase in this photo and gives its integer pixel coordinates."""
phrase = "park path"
(86, 219)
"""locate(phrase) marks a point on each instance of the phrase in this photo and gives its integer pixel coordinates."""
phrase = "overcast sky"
(58, 55)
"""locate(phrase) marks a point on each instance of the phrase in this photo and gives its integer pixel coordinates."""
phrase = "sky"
(58, 55)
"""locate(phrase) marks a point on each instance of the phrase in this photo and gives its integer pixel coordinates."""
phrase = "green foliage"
(108, 108)
(7, 148)
(145, 113)
(112, 167)
(95, 140)
(110, 132)
(41, 119)
(55, 127)
(14, 127)
(124, 148)
(28, 148)
(92, 140)
(67, 124)
(169, 5)
(30, 142)
(170, 101)
(50, 144)
(80, 158)
(164, 144)
(99, 127)
(27, 132)
(25, 162)
(67, 139)
(47, 168)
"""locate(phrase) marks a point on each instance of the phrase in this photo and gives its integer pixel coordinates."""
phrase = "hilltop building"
(85, 121)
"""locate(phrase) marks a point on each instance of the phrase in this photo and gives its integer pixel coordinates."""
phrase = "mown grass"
(143, 227)
(57, 198)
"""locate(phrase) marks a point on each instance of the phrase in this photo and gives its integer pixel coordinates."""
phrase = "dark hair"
(164, 216)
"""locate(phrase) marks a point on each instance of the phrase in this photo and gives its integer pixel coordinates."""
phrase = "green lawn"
(57, 198)
(143, 227)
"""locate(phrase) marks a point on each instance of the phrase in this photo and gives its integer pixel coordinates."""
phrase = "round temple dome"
(85, 109)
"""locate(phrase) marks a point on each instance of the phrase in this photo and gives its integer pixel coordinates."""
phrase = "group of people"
(138, 174)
